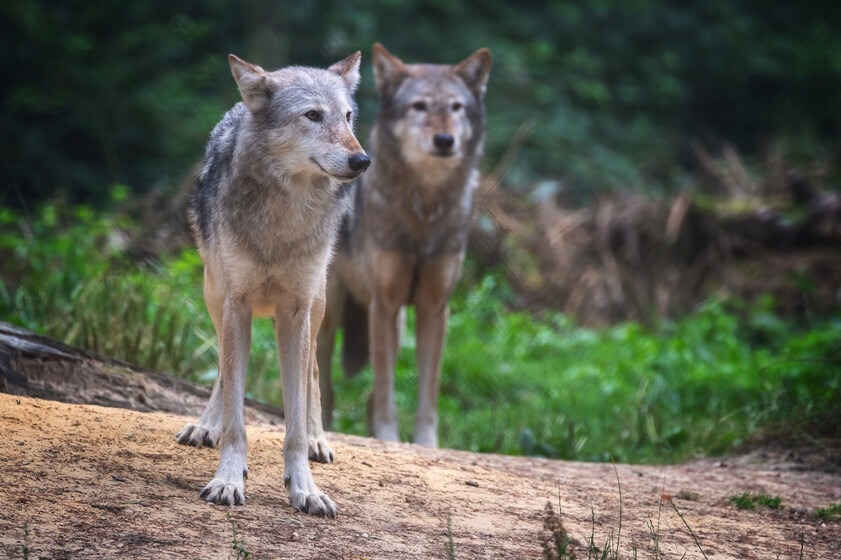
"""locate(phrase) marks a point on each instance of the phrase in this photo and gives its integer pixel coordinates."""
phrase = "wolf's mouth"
(350, 177)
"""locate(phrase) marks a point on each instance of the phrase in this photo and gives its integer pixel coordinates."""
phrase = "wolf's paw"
(426, 435)
(198, 436)
(225, 492)
(319, 450)
(386, 431)
(305, 495)
(314, 504)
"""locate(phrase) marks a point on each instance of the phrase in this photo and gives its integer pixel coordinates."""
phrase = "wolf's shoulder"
(226, 128)
(216, 168)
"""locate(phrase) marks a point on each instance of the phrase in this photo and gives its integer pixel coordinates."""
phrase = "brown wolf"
(265, 211)
(405, 241)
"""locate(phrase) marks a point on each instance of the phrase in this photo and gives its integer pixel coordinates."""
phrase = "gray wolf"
(405, 241)
(265, 212)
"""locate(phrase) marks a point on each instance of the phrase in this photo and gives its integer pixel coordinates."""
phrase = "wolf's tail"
(355, 329)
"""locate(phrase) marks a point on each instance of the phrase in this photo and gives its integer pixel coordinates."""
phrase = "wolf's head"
(435, 112)
(305, 116)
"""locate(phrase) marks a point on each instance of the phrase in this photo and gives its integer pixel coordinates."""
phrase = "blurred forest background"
(655, 263)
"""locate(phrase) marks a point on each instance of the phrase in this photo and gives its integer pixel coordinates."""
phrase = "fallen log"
(32, 365)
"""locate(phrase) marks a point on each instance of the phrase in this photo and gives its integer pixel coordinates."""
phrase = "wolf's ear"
(474, 70)
(348, 70)
(389, 70)
(253, 83)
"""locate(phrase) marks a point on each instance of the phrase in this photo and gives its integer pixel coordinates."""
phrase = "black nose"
(443, 141)
(359, 162)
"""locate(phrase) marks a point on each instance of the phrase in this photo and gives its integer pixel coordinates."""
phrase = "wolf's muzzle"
(358, 162)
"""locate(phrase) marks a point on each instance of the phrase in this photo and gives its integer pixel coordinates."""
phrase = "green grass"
(512, 382)
(750, 501)
(742, 502)
(830, 513)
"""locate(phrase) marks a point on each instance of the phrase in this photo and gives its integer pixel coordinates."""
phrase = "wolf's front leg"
(384, 336)
(432, 324)
(436, 280)
(294, 347)
(228, 486)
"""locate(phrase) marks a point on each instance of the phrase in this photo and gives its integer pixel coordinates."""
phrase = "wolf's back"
(216, 169)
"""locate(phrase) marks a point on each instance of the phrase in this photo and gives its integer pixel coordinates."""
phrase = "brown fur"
(405, 243)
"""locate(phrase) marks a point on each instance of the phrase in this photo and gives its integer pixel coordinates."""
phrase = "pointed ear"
(253, 83)
(389, 70)
(348, 70)
(474, 70)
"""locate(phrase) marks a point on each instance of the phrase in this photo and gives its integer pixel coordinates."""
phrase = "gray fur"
(265, 211)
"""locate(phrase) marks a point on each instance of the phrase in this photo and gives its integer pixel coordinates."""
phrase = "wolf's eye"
(419, 106)
(457, 106)
(348, 116)
(313, 115)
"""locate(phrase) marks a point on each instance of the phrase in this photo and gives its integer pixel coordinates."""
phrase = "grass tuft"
(830, 513)
(750, 501)
(742, 502)
(691, 532)
(556, 544)
(25, 547)
(688, 495)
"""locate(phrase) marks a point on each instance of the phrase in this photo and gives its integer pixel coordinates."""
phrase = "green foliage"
(750, 501)
(512, 382)
(521, 384)
(830, 513)
(115, 92)
(238, 543)
(73, 281)
(742, 502)
(773, 502)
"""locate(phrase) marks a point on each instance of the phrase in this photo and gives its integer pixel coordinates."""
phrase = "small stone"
(472, 483)
(144, 503)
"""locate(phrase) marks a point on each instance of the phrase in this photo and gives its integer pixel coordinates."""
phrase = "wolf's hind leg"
(317, 447)
(436, 280)
(207, 430)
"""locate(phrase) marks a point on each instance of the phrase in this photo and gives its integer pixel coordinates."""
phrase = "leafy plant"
(749, 501)
(238, 543)
(830, 512)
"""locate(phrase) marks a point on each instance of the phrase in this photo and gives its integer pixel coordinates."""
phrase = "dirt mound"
(92, 482)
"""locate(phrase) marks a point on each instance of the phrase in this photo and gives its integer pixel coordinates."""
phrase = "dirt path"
(94, 482)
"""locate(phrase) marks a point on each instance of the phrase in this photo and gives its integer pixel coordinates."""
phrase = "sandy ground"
(94, 482)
